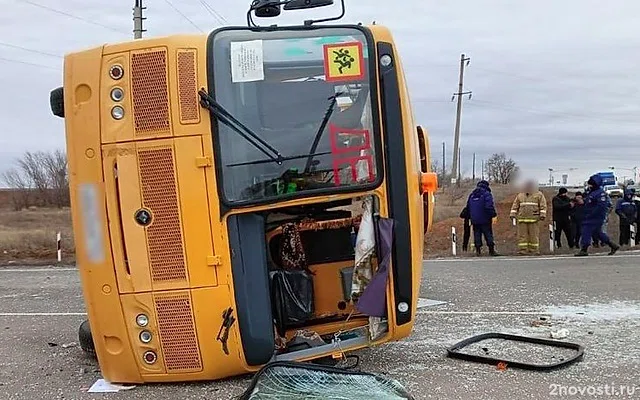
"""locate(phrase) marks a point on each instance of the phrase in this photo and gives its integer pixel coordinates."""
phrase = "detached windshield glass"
(306, 95)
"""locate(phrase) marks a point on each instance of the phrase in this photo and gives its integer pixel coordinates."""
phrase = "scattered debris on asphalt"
(560, 334)
(539, 354)
(102, 386)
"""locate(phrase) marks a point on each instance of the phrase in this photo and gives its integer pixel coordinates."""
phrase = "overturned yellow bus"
(252, 195)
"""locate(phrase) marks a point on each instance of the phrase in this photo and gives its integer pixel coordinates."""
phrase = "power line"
(565, 115)
(67, 14)
(215, 14)
(28, 63)
(183, 16)
(13, 46)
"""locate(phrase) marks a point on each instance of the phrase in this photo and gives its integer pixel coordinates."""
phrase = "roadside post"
(454, 241)
(551, 241)
(58, 244)
(632, 240)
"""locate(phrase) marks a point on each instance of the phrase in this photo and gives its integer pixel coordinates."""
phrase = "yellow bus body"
(177, 271)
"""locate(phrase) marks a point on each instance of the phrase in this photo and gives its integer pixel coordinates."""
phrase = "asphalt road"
(596, 299)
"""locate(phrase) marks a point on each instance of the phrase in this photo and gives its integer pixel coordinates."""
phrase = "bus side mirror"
(266, 8)
(306, 4)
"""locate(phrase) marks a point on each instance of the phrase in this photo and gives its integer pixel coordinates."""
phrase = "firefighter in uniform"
(529, 208)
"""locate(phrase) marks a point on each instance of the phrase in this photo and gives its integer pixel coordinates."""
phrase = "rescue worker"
(636, 201)
(596, 207)
(577, 215)
(628, 213)
(561, 211)
(482, 211)
(528, 209)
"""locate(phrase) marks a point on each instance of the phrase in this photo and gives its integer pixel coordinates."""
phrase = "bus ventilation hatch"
(150, 92)
(177, 332)
(188, 86)
(159, 195)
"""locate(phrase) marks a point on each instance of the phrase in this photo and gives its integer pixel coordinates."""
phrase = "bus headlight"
(142, 320)
(116, 72)
(117, 112)
(145, 336)
(403, 307)
(150, 357)
(386, 60)
(117, 94)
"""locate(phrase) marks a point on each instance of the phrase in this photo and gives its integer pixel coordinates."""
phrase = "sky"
(555, 83)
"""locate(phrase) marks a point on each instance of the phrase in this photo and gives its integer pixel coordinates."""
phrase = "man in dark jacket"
(482, 211)
(464, 214)
(596, 209)
(636, 201)
(561, 211)
(576, 216)
(628, 213)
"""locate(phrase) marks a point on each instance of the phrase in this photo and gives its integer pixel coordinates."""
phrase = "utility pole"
(456, 142)
(137, 19)
(474, 168)
(459, 166)
(482, 169)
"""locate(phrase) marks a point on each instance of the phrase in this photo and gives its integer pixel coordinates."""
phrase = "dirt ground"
(29, 236)
(438, 241)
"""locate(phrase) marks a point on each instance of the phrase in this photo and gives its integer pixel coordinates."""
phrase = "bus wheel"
(57, 102)
(85, 339)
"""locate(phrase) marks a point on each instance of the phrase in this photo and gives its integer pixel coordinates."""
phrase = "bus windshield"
(304, 96)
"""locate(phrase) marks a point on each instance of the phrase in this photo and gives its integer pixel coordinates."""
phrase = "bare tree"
(21, 185)
(39, 178)
(501, 170)
(55, 168)
(33, 166)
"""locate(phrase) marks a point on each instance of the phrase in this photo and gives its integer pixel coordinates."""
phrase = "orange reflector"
(428, 182)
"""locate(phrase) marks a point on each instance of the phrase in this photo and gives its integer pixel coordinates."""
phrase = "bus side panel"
(123, 200)
(402, 178)
(415, 199)
(195, 211)
(93, 249)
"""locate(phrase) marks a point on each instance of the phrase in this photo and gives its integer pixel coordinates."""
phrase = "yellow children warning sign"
(343, 61)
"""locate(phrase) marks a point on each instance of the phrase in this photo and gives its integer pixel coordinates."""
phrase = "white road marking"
(34, 314)
(484, 312)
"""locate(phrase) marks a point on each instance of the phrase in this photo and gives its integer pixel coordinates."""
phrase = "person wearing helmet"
(596, 208)
(482, 211)
(628, 212)
(528, 209)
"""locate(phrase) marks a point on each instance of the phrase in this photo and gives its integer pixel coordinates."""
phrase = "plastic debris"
(560, 334)
(102, 386)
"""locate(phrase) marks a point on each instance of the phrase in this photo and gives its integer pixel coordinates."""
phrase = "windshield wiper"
(283, 159)
(316, 141)
(226, 118)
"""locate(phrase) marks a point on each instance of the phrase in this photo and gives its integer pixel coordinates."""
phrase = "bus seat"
(251, 284)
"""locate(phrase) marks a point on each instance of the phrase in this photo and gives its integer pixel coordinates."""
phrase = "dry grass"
(31, 234)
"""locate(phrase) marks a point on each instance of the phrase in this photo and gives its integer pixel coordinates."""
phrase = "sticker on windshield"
(343, 62)
(247, 61)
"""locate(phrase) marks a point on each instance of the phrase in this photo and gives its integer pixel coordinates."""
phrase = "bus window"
(291, 104)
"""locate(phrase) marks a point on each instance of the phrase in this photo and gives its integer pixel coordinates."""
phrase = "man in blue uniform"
(627, 211)
(482, 211)
(596, 207)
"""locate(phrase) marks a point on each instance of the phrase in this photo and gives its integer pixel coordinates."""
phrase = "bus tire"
(57, 102)
(86, 339)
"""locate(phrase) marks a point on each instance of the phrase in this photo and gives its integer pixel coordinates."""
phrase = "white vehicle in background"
(614, 190)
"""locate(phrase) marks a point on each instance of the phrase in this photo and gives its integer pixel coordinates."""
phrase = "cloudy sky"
(555, 83)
